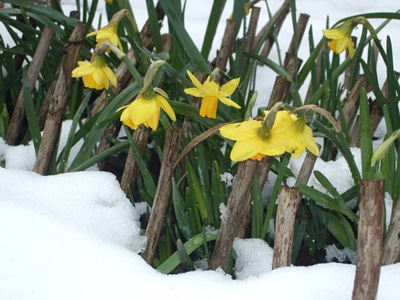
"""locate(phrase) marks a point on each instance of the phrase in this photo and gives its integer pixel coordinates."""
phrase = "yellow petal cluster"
(146, 110)
(253, 141)
(211, 92)
(341, 38)
(107, 33)
(95, 74)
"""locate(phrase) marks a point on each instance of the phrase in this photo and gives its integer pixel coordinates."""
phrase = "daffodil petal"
(142, 110)
(240, 131)
(228, 88)
(110, 75)
(333, 34)
(350, 48)
(243, 150)
(92, 33)
(83, 69)
(166, 107)
(126, 117)
(310, 142)
(194, 80)
(153, 121)
(194, 92)
(229, 102)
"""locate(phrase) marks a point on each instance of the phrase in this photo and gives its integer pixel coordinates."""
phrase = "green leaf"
(154, 26)
(213, 21)
(341, 229)
(256, 209)
(194, 243)
(365, 136)
(327, 201)
(96, 130)
(181, 212)
(199, 63)
(30, 112)
(99, 157)
(218, 193)
(68, 145)
(194, 184)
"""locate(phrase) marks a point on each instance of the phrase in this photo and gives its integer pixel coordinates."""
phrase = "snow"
(76, 235)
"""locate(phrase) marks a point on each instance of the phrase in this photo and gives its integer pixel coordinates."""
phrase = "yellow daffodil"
(107, 33)
(95, 74)
(211, 92)
(146, 110)
(254, 141)
(341, 38)
(109, 2)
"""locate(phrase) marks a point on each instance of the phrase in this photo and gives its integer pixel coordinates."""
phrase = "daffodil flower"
(146, 110)
(254, 141)
(211, 92)
(95, 74)
(341, 38)
(107, 33)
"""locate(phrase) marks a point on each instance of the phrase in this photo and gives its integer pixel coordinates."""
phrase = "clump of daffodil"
(96, 74)
(341, 38)
(109, 32)
(277, 133)
(211, 92)
(145, 109)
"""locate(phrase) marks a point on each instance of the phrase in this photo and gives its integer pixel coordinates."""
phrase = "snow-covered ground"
(76, 236)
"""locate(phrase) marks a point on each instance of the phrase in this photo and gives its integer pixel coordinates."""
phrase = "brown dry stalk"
(280, 91)
(18, 116)
(353, 101)
(306, 168)
(301, 27)
(370, 237)
(237, 202)
(289, 199)
(131, 169)
(163, 192)
(320, 111)
(277, 20)
(226, 45)
(59, 100)
(251, 32)
(391, 248)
